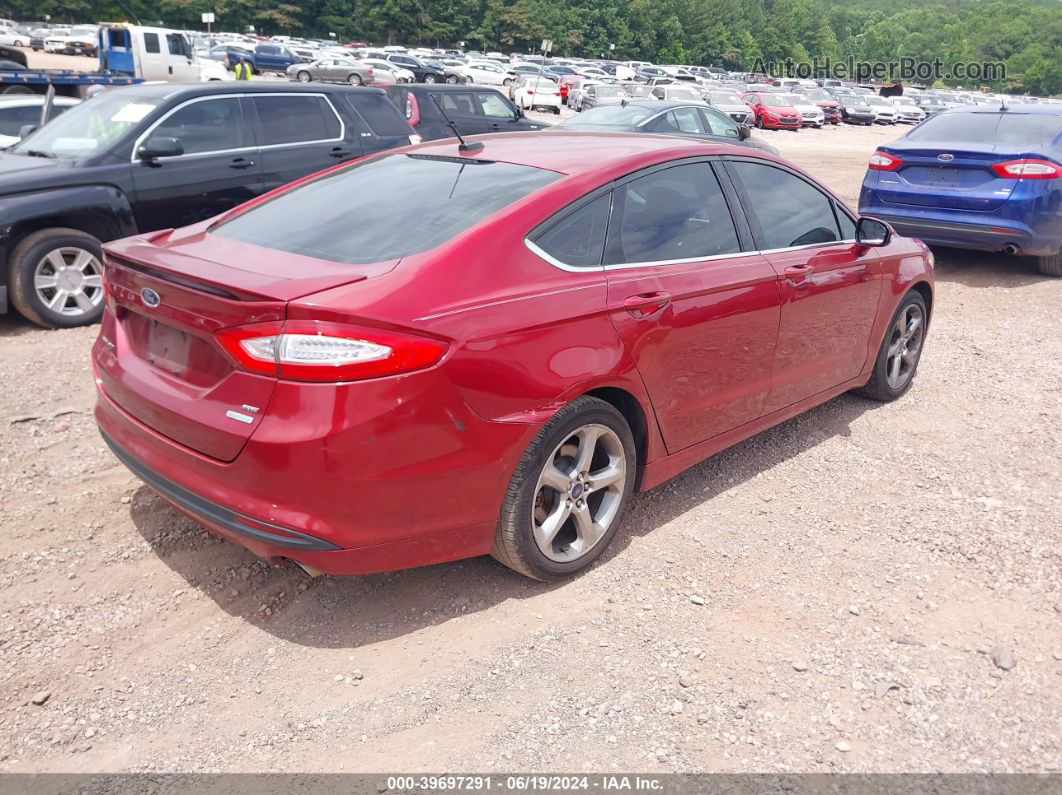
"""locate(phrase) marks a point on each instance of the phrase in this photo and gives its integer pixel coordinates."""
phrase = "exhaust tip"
(309, 570)
(1011, 249)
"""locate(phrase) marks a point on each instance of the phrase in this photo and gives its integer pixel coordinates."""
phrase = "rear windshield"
(1005, 127)
(366, 213)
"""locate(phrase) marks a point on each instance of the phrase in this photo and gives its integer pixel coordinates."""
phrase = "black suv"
(474, 109)
(158, 156)
(434, 72)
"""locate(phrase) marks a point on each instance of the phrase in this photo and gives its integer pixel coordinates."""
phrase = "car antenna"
(465, 146)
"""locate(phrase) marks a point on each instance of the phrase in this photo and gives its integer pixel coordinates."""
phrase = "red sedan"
(773, 112)
(441, 352)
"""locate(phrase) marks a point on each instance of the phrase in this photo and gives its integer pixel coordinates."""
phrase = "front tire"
(56, 278)
(1050, 265)
(304, 77)
(568, 494)
(900, 352)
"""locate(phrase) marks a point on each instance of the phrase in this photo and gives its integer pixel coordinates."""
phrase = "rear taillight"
(412, 110)
(1028, 169)
(307, 350)
(883, 161)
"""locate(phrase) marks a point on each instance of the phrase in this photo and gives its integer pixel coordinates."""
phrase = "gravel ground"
(863, 588)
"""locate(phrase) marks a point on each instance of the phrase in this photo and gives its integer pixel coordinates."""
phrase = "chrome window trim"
(145, 135)
(556, 263)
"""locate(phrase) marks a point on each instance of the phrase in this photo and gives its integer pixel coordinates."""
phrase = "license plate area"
(179, 353)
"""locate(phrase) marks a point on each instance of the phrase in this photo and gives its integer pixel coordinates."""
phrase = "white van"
(155, 54)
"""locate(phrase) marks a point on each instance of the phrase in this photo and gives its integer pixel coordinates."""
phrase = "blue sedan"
(984, 177)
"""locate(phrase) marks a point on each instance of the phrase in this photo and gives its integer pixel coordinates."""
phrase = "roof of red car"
(578, 152)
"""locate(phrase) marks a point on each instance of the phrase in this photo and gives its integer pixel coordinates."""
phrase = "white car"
(907, 110)
(400, 75)
(21, 110)
(810, 113)
(532, 92)
(884, 111)
(10, 37)
(487, 73)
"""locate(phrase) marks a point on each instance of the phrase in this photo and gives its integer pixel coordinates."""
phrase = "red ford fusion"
(344, 376)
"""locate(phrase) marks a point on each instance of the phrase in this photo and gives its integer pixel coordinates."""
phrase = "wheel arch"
(631, 409)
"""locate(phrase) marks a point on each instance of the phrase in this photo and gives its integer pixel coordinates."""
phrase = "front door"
(219, 169)
(830, 285)
(300, 134)
(697, 313)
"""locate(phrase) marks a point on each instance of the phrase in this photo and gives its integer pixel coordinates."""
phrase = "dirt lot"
(881, 589)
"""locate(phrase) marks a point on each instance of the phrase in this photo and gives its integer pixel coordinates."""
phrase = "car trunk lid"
(158, 356)
(936, 175)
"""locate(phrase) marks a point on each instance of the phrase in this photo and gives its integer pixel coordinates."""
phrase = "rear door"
(299, 134)
(696, 306)
(219, 169)
(499, 115)
(829, 284)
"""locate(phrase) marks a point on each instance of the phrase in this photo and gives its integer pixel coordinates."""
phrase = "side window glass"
(454, 102)
(686, 120)
(151, 43)
(848, 227)
(493, 105)
(175, 43)
(677, 213)
(718, 124)
(577, 239)
(790, 211)
(295, 118)
(211, 125)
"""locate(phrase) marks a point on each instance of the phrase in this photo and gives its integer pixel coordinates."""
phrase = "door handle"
(797, 275)
(646, 304)
(495, 126)
(339, 151)
(241, 163)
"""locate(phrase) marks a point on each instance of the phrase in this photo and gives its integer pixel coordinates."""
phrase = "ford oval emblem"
(947, 158)
(150, 298)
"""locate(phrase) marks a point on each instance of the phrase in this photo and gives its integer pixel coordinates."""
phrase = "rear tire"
(17, 90)
(354, 80)
(1050, 265)
(430, 79)
(452, 80)
(568, 494)
(900, 352)
(63, 268)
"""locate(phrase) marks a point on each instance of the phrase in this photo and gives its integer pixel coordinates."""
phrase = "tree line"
(735, 34)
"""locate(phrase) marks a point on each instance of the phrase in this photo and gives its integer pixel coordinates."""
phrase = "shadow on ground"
(349, 612)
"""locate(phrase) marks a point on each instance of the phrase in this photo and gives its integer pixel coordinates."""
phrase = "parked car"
(884, 111)
(395, 73)
(856, 110)
(520, 339)
(931, 105)
(691, 120)
(11, 37)
(333, 70)
(729, 103)
(474, 109)
(677, 92)
(533, 91)
(228, 54)
(21, 111)
(266, 57)
(827, 103)
(597, 95)
(907, 110)
(977, 177)
(772, 111)
(425, 72)
(810, 113)
(37, 37)
(159, 155)
(487, 73)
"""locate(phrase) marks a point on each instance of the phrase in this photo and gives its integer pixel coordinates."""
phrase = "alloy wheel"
(69, 281)
(905, 345)
(579, 493)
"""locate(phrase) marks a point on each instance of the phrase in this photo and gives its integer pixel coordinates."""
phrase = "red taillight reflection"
(1028, 168)
(883, 161)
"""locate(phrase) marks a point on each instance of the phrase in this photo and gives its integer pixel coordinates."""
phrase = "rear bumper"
(393, 484)
(978, 237)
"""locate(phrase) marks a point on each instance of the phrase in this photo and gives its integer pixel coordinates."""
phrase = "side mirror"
(871, 232)
(160, 146)
(519, 112)
(26, 130)
(744, 132)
